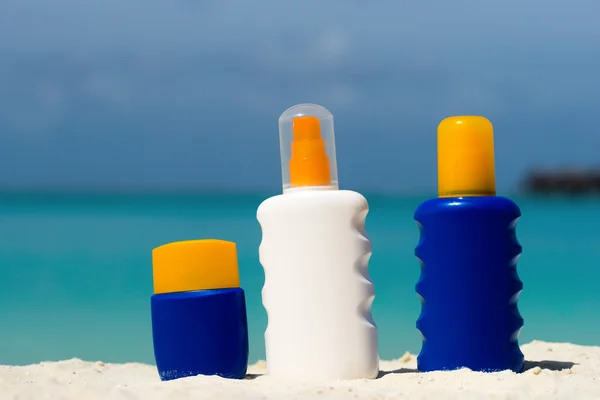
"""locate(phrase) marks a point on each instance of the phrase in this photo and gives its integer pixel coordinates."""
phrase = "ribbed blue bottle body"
(200, 333)
(468, 251)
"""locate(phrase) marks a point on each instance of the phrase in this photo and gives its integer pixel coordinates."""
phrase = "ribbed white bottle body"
(317, 291)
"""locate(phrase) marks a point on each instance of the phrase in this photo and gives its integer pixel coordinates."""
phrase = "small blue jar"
(199, 323)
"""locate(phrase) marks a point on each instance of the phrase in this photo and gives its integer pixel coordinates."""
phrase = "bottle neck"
(309, 188)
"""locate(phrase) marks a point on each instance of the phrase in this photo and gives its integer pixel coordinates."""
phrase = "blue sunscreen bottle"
(468, 251)
(199, 324)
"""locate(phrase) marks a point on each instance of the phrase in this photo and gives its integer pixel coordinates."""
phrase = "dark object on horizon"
(572, 182)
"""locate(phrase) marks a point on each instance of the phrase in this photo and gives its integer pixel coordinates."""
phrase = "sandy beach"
(553, 371)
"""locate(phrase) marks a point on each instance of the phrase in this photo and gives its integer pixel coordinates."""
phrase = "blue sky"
(186, 94)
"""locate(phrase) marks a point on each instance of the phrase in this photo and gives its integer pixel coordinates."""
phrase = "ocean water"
(76, 278)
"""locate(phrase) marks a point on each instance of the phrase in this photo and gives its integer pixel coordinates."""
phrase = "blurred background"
(125, 125)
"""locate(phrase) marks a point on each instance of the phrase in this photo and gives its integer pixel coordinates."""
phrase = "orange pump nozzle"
(309, 164)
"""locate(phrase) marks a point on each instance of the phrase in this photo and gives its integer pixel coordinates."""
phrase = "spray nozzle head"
(306, 128)
(307, 148)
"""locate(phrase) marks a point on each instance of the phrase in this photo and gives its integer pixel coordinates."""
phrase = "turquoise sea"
(76, 279)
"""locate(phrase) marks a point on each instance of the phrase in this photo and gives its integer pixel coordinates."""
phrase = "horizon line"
(206, 191)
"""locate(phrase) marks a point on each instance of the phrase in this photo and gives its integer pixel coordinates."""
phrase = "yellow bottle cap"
(466, 157)
(195, 265)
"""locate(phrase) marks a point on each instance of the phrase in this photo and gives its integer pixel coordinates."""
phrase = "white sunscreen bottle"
(315, 254)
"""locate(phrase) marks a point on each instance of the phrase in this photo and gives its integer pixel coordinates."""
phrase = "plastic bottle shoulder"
(315, 198)
(195, 294)
(466, 204)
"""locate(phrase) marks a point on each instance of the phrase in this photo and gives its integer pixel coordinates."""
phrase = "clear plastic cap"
(307, 141)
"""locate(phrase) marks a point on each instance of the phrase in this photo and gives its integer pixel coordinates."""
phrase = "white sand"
(554, 371)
